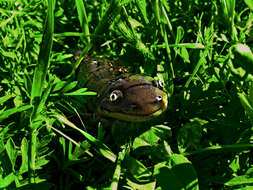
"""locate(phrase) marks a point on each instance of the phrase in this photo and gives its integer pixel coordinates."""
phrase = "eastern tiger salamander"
(122, 95)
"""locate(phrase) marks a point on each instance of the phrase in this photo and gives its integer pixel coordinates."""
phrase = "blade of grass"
(99, 146)
(116, 175)
(109, 16)
(230, 148)
(5, 98)
(165, 38)
(168, 21)
(249, 3)
(106, 21)
(44, 54)
(11, 111)
(201, 61)
(229, 15)
(24, 154)
(82, 16)
(44, 97)
(32, 156)
(5, 182)
(128, 31)
(181, 45)
(37, 87)
(163, 20)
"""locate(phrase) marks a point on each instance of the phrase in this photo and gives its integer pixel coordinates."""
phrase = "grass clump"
(201, 50)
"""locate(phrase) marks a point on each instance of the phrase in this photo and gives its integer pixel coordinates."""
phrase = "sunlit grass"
(201, 50)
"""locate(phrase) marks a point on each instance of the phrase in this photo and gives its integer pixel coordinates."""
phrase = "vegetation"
(202, 50)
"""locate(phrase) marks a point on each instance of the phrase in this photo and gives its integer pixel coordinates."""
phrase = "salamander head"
(133, 98)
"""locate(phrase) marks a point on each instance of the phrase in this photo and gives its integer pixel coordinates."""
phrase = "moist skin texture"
(123, 96)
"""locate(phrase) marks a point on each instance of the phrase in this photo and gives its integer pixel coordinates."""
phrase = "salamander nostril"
(133, 106)
(159, 98)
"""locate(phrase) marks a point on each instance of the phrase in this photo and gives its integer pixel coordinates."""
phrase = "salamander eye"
(158, 84)
(115, 95)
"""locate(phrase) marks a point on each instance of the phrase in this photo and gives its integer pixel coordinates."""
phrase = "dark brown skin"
(121, 95)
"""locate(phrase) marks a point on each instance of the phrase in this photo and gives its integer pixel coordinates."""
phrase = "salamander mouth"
(133, 114)
(130, 116)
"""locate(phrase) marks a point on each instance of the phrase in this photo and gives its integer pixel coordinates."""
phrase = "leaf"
(83, 19)
(246, 105)
(240, 180)
(165, 178)
(79, 151)
(249, 3)
(137, 170)
(180, 174)
(69, 86)
(149, 141)
(38, 186)
(105, 22)
(235, 164)
(59, 85)
(44, 54)
(11, 111)
(44, 98)
(7, 53)
(11, 151)
(142, 5)
(80, 92)
(99, 146)
(250, 96)
(5, 182)
(243, 57)
(184, 54)
(24, 156)
(5, 98)
(201, 61)
(148, 138)
(180, 34)
(190, 134)
(112, 11)
(141, 186)
(228, 7)
(117, 172)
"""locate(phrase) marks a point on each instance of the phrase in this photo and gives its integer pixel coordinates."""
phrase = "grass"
(202, 50)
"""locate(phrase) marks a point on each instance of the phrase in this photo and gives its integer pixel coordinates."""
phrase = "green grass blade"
(244, 51)
(11, 111)
(5, 98)
(24, 153)
(247, 105)
(82, 16)
(12, 152)
(168, 21)
(201, 61)
(165, 38)
(44, 98)
(5, 182)
(40, 73)
(112, 11)
(99, 146)
(116, 175)
(142, 5)
(32, 156)
(109, 16)
(249, 3)
(219, 148)
(45, 49)
(229, 15)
